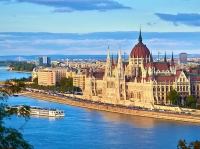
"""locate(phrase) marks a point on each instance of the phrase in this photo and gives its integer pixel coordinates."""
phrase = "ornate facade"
(140, 82)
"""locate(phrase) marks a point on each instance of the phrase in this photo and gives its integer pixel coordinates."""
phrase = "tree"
(62, 81)
(191, 101)
(14, 86)
(173, 96)
(10, 137)
(182, 144)
(35, 80)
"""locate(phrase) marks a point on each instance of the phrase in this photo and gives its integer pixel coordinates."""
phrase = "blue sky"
(29, 27)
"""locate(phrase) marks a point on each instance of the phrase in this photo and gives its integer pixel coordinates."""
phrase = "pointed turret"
(112, 60)
(120, 68)
(165, 59)
(108, 65)
(117, 58)
(151, 61)
(140, 37)
(108, 56)
(172, 61)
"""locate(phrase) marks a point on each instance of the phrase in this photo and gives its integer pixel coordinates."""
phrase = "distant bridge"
(20, 59)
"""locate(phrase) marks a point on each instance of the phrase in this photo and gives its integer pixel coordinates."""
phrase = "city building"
(79, 81)
(46, 77)
(183, 58)
(43, 61)
(140, 82)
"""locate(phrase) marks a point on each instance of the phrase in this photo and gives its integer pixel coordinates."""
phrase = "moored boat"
(40, 111)
(46, 112)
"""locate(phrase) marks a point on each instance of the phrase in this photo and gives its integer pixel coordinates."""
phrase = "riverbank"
(19, 71)
(115, 109)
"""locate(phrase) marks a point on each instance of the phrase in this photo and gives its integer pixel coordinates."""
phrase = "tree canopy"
(22, 66)
(182, 144)
(10, 137)
(173, 96)
(191, 101)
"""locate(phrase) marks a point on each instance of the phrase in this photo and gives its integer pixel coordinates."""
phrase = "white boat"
(46, 112)
(15, 95)
(39, 111)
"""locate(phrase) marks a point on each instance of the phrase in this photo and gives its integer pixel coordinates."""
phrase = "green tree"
(14, 86)
(190, 101)
(10, 137)
(173, 96)
(62, 81)
(182, 144)
(35, 80)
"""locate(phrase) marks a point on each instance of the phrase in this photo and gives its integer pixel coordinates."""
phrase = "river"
(87, 129)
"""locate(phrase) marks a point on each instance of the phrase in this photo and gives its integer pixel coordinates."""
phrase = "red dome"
(140, 51)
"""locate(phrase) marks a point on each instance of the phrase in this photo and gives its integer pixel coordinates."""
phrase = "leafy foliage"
(14, 86)
(10, 137)
(64, 85)
(22, 66)
(182, 144)
(191, 101)
(173, 96)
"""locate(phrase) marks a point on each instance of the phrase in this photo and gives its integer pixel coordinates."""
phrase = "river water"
(87, 129)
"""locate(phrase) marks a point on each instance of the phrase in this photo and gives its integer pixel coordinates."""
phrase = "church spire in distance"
(165, 58)
(140, 36)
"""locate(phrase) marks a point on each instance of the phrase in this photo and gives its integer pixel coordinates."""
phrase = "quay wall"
(116, 109)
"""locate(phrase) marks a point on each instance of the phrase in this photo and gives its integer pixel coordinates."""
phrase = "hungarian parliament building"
(141, 81)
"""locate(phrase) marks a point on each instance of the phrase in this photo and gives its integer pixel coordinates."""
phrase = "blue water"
(4, 74)
(83, 128)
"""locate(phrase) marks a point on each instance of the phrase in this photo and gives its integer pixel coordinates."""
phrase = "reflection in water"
(136, 121)
(50, 118)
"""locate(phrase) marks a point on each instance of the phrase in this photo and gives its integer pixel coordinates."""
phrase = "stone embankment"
(116, 109)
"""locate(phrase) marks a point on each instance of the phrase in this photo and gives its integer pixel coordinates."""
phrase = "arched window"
(163, 89)
(154, 89)
(158, 89)
(171, 88)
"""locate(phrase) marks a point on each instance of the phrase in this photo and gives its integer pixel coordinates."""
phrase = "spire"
(119, 53)
(108, 65)
(108, 56)
(140, 37)
(120, 69)
(165, 59)
(172, 61)
(117, 57)
(112, 60)
(172, 57)
(151, 60)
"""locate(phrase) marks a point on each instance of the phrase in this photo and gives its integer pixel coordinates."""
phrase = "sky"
(89, 27)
